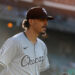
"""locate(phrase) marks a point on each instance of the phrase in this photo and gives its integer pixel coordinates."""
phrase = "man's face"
(39, 25)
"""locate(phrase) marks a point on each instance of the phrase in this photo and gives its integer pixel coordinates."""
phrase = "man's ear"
(30, 21)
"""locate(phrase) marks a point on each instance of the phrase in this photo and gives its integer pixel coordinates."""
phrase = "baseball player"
(24, 53)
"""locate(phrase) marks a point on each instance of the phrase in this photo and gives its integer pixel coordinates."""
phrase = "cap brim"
(50, 18)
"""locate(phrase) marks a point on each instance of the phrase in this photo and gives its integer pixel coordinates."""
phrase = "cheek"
(38, 25)
(38, 28)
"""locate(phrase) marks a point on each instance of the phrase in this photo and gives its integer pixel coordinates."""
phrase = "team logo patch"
(26, 60)
(25, 47)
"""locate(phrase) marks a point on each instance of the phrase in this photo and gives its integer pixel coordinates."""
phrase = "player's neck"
(31, 35)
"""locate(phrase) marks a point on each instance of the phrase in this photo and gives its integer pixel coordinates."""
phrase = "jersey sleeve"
(8, 52)
(45, 64)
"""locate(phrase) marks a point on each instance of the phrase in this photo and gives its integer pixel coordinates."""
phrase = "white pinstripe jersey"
(21, 57)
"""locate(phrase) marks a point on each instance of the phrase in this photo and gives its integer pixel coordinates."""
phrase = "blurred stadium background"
(61, 31)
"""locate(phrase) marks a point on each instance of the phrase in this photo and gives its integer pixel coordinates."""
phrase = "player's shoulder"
(18, 35)
(13, 40)
(15, 37)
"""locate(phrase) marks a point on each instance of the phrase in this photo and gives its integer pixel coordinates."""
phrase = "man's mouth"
(44, 27)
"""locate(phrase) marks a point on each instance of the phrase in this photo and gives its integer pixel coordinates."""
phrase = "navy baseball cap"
(38, 13)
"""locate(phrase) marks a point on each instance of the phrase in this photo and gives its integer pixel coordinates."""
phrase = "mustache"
(44, 26)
